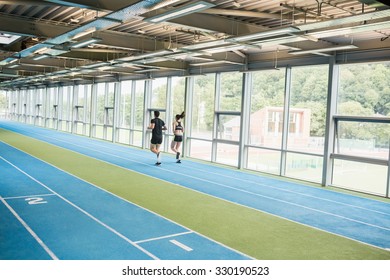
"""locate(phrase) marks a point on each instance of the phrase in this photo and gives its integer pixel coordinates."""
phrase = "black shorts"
(178, 138)
(156, 140)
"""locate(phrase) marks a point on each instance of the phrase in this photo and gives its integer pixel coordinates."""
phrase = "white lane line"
(163, 237)
(28, 196)
(83, 211)
(26, 226)
(181, 245)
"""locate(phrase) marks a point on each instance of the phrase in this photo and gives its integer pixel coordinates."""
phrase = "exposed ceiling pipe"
(306, 12)
(163, 4)
(28, 2)
(241, 13)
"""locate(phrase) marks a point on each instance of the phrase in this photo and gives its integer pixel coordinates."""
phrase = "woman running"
(178, 132)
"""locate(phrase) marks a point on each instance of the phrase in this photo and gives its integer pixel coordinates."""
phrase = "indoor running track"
(361, 219)
(49, 214)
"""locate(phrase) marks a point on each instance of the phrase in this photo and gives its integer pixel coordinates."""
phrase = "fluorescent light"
(215, 63)
(12, 60)
(99, 64)
(6, 39)
(329, 49)
(42, 56)
(41, 50)
(180, 11)
(85, 32)
(85, 43)
(265, 34)
(145, 55)
(147, 70)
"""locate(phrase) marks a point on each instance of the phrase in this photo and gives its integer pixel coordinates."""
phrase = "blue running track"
(361, 219)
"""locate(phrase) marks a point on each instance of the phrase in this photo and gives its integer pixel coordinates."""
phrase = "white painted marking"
(163, 237)
(40, 242)
(181, 245)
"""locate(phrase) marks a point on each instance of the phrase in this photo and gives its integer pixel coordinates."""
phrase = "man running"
(157, 126)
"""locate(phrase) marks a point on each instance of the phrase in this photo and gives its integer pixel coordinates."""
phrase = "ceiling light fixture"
(85, 43)
(265, 34)
(42, 56)
(41, 50)
(216, 63)
(95, 65)
(85, 32)
(329, 49)
(180, 11)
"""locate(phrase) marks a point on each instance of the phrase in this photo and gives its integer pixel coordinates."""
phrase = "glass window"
(200, 149)
(178, 94)
(227, 154)
(3, 104)
(203, 106)
(159, 93)
(363, 139)
(110, 96)
(228, 127)
(125, 104)
(267, 101)
(139, 104)
(307, 115)
(230, 95)
(304, 167)
(264, 160)
(66, 102)
(360, 176)
(364, 89)
(101, 89)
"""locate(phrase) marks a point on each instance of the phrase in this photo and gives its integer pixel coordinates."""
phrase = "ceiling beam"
(100, 5)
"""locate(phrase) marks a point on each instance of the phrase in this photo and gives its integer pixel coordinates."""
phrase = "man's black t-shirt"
(157, 130)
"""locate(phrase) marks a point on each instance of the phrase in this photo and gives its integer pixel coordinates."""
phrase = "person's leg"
(173, 145)
(158, 154)
(177, 148)
(153, 148)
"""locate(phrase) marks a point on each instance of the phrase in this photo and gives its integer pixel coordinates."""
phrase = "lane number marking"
(35, 200)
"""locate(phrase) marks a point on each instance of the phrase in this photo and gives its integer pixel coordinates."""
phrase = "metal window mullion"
(168, 113)
(34, 108)
(188, 105)
(60, 105)
(85, 109)
(132, 111)
(331, 123)
(46, 102)
(388, 175)
(286, 114)
(246, 95)
(105, 111)
(17, 105)
(56, 107)
(92, 119)
(75, 112)
(217, 91)
(117, 98)
(146, 115)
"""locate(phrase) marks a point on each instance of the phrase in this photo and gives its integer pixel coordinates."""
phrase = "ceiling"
(50, 42)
